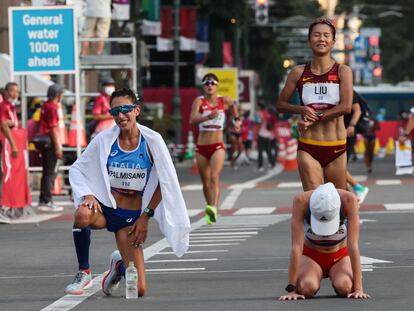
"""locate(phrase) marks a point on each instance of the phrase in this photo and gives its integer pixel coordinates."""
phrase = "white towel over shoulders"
(88, 175)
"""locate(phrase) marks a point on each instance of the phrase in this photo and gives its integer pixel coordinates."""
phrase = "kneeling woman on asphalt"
(325, 237)
(123, 178)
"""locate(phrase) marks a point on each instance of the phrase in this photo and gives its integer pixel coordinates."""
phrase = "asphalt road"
(238, 264)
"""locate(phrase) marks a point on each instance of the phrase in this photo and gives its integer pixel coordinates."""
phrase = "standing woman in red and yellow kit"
(325, 90)
(208, 112)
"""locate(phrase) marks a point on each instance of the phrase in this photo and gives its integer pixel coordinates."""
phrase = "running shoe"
(82, 280)
(111, 280)
(211, 214)
(361, 192)
(49, 208)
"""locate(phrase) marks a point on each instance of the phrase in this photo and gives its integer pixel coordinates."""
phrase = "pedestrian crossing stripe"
(298, 185)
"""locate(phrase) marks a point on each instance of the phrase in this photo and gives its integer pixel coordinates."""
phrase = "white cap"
(324, 205)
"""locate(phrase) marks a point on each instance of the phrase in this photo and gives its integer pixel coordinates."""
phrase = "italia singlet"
(216, 124)
(129, 170)
(319, 92)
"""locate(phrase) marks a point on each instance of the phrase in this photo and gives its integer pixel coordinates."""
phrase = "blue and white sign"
(43, 40)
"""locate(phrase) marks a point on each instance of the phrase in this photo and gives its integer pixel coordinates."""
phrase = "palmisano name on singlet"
(127, 175)
(126, 171)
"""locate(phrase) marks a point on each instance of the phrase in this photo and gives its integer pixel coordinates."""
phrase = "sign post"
(43, 40)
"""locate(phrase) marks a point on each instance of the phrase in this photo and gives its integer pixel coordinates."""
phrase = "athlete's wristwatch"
(148, 211)
(290, 288)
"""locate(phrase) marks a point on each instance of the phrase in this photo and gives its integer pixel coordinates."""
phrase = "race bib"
(127, 178)
(320, 93)
(214, 124)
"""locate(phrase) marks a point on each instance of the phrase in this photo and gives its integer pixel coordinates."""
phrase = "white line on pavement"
(224, 233)
(219, 238)
(388, 182)
(68, 302)
(255, 211)
(228, 229)
(237, 189)
(290, 185)
(181, 260)
(222, 240)
(399, 206)
(196, 252)
(174, 269)
(215, 244)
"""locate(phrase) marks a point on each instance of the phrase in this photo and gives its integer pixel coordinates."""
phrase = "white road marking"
(224, 233)
(255, 211)
(399, 206)
(215, 244)
(213, 229)
(361, 221)
(388, 182)
(237, 189)
(174, 269)
(221, 240)
(192, 187)
(369, 261)
(34, 218)
(196, 252)
(292, 184)
(181, 260)
(68, 302)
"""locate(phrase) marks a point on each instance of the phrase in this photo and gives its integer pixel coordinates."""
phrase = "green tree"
(397, 38)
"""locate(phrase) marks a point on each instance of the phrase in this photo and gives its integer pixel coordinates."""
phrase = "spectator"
(350, 121)
(408, 127)
(51, 151)
(264, 119)
(8, 115)
(101, 107)
(247, 134)
(97, 24)
(369, 140)
(8, 121)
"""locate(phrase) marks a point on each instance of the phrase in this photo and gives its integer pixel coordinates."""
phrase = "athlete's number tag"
(216, 122)
(315, 93)
(127, 178)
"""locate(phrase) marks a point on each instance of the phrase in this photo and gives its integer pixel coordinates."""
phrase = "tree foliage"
(397, 38)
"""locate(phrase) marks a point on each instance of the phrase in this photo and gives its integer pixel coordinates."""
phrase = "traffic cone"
(389, 148)
(291, 163)
(359, 146)
(377, 146)
(194, 167)
(62, 131)
(281, 156)
(57, 186)
(189, 151)
(73, 135)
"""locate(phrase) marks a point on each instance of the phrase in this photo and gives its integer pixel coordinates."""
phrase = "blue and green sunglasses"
(124, 109)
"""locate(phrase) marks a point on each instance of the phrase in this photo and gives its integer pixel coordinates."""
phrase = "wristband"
(290, 288)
